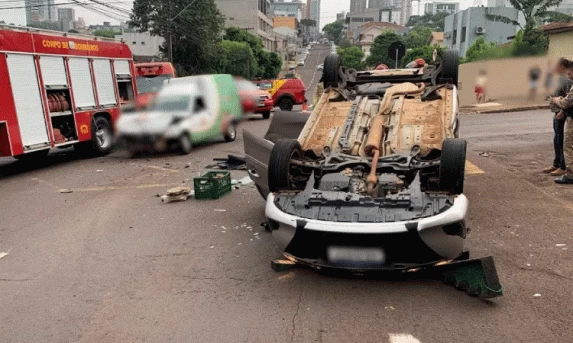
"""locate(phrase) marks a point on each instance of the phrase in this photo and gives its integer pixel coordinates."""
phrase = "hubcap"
(231, 132)
(103, 137)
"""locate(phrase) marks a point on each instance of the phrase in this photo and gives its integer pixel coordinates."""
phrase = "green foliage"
(482, 50)
(434, 22)
(351, 57)
(418, 36)
(104, 33)
(195, 30)
(268, 64)
(344, 43)
(379, 49)
(535, 43)
(237, 59)
(73, 31)
(308, 22)
(333, 31)
(426, 52)
(46, 25)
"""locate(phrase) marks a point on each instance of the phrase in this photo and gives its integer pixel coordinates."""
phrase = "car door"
(202, 120)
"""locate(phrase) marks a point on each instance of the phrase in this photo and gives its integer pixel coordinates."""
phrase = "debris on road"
(220, 210)
(3, 254)
(484, 154)
(232, 162)
(99, 171)
(389, 308)
(536, 295)
(560, 245)
(64, 190)
(177, 194)
(212, 185)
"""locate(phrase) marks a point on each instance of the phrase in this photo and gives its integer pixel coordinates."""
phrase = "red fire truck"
(58, 90)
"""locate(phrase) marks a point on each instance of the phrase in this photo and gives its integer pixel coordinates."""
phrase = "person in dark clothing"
(559, 167)
(566, 103)
(534, 75)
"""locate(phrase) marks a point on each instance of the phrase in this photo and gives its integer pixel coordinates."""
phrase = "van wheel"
(452, 165)
(185, 144)
(231, 133)
(282, 174)
(286, 104)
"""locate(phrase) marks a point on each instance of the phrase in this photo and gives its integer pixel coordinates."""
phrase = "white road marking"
(403, 338)
(2, 254)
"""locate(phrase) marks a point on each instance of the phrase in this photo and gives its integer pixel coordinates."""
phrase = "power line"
(60, 4)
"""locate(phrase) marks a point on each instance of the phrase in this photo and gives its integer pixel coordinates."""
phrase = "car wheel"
(452, 165)
(231, 133)
(266, 114)
(330, 76)
(282, 175)
(185, 144)
(450, 66)
(286, 104)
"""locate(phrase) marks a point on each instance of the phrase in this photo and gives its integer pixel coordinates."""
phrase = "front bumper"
(148, 142)
(405, 244)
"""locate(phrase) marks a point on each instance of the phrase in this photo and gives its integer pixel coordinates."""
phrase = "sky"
(329, 9)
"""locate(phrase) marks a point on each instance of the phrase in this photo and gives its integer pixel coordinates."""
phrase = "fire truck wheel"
(102, 135)
(185, 144)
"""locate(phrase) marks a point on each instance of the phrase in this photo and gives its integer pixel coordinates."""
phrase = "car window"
(199, 104)
(172, 103)
(265, 85)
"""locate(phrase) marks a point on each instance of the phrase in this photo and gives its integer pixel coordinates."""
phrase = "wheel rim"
(103, 136)
(185, 145)
(231, 132)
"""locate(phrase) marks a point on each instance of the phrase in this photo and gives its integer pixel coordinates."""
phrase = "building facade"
(431, 8)
(40, 10)
(395, 11)
(253, 16)
(367, 33)
(144, 46)
(462, 29)
(66, 17)
(290, 22)
(357, 5)
(287, 9)
(314, 12)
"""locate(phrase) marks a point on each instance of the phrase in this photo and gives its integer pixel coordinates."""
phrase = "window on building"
(142, 43)
(454, 37)
(463, 39)
(134, 43)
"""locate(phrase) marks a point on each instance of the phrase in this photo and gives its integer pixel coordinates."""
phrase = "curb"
(503, 110)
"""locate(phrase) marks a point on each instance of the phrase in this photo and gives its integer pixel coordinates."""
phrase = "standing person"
(558, 167)
(534, 75)
(479, 88)
(565, 103)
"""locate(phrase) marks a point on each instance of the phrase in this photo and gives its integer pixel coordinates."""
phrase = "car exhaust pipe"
(372, 148)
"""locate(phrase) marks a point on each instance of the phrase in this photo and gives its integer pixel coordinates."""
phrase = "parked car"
(300, 62)
(285, 92)
(187, 111)
(320, 67)
(373, 179)
(254, 99)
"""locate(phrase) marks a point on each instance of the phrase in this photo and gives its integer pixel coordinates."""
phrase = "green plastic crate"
(212, 185)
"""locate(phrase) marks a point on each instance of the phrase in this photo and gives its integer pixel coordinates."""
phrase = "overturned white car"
(373, 179)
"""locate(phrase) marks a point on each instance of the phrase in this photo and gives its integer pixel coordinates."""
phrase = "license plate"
(355, 255)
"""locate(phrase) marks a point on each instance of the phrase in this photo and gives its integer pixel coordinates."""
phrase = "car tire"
(452, 165)
(231, 133)
(286, 104)
(450, 66)
(185, 144)
(330, 76)
(266, 114)
(279, 164)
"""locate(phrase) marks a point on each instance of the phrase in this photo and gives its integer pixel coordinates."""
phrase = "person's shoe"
(549, 170)
(558, 172)
(564, 180)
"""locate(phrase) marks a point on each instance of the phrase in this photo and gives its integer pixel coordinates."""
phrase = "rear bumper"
(266, 108)
(404, 244)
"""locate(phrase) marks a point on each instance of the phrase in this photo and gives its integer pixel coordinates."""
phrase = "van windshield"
(151, 84)
(173, 103)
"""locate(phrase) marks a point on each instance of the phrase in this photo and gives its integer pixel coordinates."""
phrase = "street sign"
(396, 51)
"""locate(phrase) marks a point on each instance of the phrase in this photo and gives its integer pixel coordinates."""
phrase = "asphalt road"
(110, 263)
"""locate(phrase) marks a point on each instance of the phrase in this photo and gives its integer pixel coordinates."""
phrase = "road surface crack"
(17, 280)
(293, 330)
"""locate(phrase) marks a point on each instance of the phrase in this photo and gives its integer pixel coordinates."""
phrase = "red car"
(254, 100)
(285, 92)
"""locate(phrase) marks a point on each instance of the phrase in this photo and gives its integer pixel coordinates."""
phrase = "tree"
(435, 22)
(481, 50)
(73, 31)
(379, 49)
(351, 57)
(536, 44)
(425, 52)
(308, 22)
(46, 25)
(193, 26)
(344, 43)
(418, 36)
(104, 33)
(268, 63)
(333, 31)
(237, 59)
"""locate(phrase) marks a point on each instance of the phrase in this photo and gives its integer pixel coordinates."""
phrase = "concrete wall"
(507, 79)
(560, 44)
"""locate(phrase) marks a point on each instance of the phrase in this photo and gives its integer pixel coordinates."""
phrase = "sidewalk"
(505, 105)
